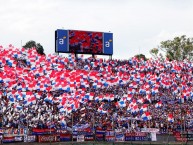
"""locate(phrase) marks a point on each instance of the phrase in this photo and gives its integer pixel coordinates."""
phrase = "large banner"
(186, 136)
(62, 131)
(9, 139)
(15, 132)
(136, 136)
(65, 137)
(18, 138)
(87, 132)
(150, 130)
(119, 136)
(29, 138)
(109, 138)
(130, 136)
(153, 136)
(100, 134)
(89, 137)
(48, 138)
(36, 131)
(110, 135)
(80, 138)
(141, 136)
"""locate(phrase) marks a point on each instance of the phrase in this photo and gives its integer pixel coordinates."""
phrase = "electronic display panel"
(85, 42)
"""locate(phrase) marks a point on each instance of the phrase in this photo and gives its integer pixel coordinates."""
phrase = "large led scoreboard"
(83, 42)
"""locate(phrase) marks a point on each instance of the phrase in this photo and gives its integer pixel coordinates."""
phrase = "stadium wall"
(108, 143)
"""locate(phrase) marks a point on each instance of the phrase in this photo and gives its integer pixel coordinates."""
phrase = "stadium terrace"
(46, 93)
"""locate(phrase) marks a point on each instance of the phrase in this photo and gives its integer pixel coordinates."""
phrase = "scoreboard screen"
(83, 42)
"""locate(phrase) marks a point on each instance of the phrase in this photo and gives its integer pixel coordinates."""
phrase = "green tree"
(40, 49)
(179, 48)
(154, 52)
(141, 56)
(38, 46)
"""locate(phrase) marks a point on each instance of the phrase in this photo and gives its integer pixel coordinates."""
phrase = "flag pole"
(27, 123)
(94, 125)
(50, 123)
(72, 127)
(181, 114)
(113, 129)
(185, 123)
(2, 122)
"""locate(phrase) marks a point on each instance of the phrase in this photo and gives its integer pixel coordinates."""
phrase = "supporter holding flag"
(170, 117)
(158, 104)
(146, 116)
(148, 98)
(122, 103)
(141, 100)
(135, 109)
(31, 84)
(143, 108)
(101, 110)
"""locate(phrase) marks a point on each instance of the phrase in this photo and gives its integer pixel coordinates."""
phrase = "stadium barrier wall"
(50, 135)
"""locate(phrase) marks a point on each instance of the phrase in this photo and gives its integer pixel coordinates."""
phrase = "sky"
(137, 25)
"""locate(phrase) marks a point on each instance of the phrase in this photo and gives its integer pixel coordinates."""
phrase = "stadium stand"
(45, 94)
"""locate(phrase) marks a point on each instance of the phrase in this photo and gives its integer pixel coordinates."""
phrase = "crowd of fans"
(85, 42)
(42, 91)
